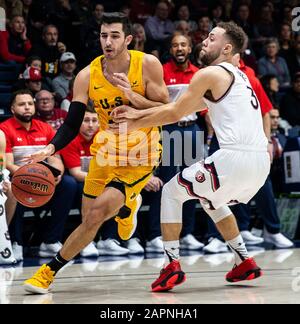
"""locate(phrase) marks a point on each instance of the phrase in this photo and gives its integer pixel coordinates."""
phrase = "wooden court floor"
(127, 281)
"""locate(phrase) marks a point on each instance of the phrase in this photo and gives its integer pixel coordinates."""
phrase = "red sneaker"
(247, 270)
(169, 277)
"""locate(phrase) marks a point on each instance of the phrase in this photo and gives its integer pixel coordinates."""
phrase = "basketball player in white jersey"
(231, 175)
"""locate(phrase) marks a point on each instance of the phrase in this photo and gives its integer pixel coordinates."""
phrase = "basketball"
(33, 185)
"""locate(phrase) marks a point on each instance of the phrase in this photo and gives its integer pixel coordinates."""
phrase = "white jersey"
(236, 117)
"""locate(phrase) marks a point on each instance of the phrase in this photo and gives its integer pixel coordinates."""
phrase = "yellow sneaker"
(40, 282)
(127, 226)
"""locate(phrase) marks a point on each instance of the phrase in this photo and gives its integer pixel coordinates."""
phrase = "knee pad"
(218, 214)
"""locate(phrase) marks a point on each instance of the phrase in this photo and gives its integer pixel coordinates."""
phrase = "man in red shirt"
(25, 135)
(178, 73)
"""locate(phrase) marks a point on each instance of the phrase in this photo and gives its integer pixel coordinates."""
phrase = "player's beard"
(22, 118)
(208, 58)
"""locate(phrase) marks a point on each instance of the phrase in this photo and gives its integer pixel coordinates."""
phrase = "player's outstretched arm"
(189, 102)
(70, 128)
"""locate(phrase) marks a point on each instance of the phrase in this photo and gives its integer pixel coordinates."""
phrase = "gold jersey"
(136, 148)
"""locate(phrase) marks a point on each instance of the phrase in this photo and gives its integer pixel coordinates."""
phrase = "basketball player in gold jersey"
(120, 167)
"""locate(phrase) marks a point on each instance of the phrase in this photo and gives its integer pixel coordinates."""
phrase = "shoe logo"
(133, 196)
(99, 87)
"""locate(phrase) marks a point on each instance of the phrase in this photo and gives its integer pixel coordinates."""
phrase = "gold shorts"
(134, 179)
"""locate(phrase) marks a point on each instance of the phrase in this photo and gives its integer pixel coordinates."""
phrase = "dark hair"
(117, 17)
(235, 34)
(18, 93)
(90, 107)
(32, 58)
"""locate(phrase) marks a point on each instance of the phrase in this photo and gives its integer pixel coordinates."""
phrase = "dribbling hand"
(39, 155)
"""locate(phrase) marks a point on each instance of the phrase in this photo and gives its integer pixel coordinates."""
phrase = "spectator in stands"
(216, 13)
(140, 42)
(46, 111)
(89, 35)
(34, 61)
(14, 44)
(183, 14)
(290, 105)
(286, 39)
(159, 28)
(25, 135)
(33, 80)
(62, 81)
(271, 63)
(183, 28)
(242, 19)
(293, 59)
(271, 87)
(204, 27)
(82, 10)
(12, 8)
(50, 51)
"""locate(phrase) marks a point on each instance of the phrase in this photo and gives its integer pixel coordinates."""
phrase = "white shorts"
(225, 178)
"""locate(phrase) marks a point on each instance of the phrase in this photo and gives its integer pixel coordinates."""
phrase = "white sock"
(239, 249)
(171, 251)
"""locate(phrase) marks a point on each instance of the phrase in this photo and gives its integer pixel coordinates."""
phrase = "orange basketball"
(33, 185)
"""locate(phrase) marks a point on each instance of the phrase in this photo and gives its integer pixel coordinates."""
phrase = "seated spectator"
(25, 135)
(14, 44)
(89, 36)
(271, 63)
(46, 111)
(183, 27)
(271, 87)
(293, 60)
(243, 19)
(204, 27)
(216, 13)
(183, 14)
(34, 61)
(62, 81)
(31, 79)
(140, 42)
(50, 51)
(159, 28)
(290, 105)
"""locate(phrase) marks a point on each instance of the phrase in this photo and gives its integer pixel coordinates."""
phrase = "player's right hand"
(39, 155)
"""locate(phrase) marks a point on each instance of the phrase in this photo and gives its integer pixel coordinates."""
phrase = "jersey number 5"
(254, 101)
